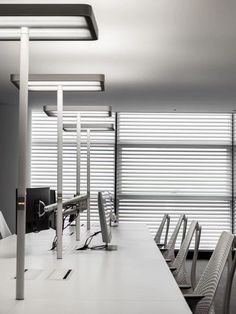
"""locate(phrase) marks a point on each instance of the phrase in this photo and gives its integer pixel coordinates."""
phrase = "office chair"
(4, 230)
(201, 299)
(179, 265)
(157, 238)
(169, 250)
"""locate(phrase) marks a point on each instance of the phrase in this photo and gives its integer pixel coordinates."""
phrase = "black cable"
(98, 247)
(69, 224)
(54, 242)
(88, 241)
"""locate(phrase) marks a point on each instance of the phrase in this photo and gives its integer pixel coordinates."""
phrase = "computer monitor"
(33, 221)
(105, 213)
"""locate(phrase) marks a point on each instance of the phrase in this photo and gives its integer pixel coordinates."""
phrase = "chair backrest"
(231, 271)
(4, 230)
(109, 205)
(165, 220)
(112, 206)
(210, 278)
(180, 274)
(170, 248)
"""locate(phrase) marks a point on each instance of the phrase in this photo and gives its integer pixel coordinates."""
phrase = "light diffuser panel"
(69, 82)
(71, 127)
(48, 21)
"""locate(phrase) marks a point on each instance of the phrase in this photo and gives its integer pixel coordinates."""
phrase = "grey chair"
(201, 299)
(169, 250)
(4, 230)
(114, 220)
(157, 238)
(231, 272)
(109, 205)
(179, 265)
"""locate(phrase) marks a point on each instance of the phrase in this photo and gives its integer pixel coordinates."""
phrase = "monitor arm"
(71, 206)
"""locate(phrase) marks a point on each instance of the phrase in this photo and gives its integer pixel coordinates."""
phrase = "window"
(176, 163)
(169, 162)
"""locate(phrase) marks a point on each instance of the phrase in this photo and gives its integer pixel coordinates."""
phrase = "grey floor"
(220, 292)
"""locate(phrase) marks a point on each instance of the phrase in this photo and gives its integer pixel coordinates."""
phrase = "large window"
(44, 157)
(170, 163)
(176, 163)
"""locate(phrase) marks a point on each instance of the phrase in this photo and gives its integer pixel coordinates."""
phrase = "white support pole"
(78, 143)
(22, 163)
(59, 169)
(88, 179)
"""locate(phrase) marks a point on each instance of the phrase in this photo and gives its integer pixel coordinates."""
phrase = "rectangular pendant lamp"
(26, 22)
(48, 21)
(98, 111)
(99, 127)
(69, 82)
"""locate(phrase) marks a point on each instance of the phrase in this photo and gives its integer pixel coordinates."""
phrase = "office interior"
(169, 158)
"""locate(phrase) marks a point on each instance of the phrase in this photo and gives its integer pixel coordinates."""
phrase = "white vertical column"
(78, 143)
(88, 179)
(22, 163)
(59, 169)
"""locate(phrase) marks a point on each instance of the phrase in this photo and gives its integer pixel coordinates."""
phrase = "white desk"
(132, 280)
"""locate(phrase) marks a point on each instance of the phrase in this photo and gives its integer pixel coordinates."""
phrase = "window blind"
(175, 163)
(44, 156)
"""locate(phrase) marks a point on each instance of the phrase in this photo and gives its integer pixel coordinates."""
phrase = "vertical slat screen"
(175, 163)
(44, 156)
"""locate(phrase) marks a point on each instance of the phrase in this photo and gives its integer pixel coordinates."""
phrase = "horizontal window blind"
(175, 163)
(44, 156)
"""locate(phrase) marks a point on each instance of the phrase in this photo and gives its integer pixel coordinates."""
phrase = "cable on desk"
(54, 242)
(98, 247)
(88, 241)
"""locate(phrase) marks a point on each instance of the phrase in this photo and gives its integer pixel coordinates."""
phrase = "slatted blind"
(44, 156)
(175, 163)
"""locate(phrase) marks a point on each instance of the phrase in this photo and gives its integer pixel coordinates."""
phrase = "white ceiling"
(148, 50)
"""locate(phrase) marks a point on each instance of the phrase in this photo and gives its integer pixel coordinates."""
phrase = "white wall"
(8, 162)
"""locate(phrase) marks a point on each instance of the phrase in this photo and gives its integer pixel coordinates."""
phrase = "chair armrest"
(185, 287)
(168, 260)
(172, 268)
(192, 300)
(163, 249)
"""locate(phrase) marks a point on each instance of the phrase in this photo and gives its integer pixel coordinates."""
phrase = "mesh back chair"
(169, 250)
(157, 239)
(201, 300)
(4, 230)
(179, 265)
(114, 221)
(231, 271)
(109, 206)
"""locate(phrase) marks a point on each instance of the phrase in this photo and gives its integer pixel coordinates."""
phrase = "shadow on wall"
(8, 162)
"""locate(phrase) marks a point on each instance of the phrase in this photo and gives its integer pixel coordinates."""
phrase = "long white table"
(132, 280)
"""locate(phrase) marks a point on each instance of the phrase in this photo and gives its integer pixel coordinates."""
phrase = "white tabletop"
(132, 280)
